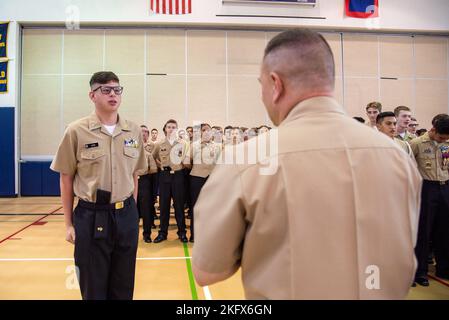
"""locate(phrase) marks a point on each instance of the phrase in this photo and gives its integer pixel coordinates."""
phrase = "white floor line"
(71, 259)
(207, 294)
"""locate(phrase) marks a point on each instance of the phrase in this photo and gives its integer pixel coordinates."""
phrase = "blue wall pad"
(7, 152)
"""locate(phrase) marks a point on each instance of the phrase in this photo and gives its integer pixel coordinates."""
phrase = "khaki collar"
(311, 106)
(95, 123)
(425, 137)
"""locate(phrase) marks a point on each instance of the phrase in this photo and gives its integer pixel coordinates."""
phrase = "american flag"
(171, 6)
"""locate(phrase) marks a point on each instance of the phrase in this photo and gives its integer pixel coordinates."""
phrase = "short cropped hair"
(398, 110)
(382, 115)
(103, 77)
(374, 104)
(442, 125)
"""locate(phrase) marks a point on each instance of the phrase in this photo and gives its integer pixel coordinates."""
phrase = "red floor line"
(438, 280)
(45, 216)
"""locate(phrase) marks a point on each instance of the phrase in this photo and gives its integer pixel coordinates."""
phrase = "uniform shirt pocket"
(131, 152)
(92, 154)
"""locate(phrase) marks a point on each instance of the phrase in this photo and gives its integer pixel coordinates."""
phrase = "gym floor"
(37, 263)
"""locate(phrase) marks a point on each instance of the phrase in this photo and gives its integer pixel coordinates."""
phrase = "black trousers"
(196, 184)
(145, 202)
(156, 184)
(172, 186)
(188, 197)
(434, 227)
(105, 251)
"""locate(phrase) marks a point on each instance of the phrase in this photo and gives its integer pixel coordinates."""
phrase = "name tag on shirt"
(91, 145)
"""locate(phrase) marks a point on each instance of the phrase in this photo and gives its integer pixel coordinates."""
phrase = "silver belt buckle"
(172, 172)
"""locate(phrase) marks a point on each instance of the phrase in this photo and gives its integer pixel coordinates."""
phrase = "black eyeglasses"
(107, 90)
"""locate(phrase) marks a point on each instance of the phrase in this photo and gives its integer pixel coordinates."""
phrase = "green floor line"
(189, 271)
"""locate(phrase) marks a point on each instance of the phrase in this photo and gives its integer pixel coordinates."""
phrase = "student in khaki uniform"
(432, 155)
(145, 199)
(172, 156)
(412, 126)
(303, 223)
(204, 154)
(372, 111)
(99, 159)
(403, 116)
(386, 123)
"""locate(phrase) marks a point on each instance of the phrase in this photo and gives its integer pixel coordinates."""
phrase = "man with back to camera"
(99, 159)
(303, 223)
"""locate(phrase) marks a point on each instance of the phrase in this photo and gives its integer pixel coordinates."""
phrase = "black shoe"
(159, 238)
(422, 281)
(183, 239)
(191, 239)
(414, 284)
(156, 217)
(147, 239)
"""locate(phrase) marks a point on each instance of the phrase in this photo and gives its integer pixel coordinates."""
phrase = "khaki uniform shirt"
(432, 158)
(204, 156)
(149, 149)
(404, 146)
(313, 220)
(175, 156)
(407, 137)
(99, 160)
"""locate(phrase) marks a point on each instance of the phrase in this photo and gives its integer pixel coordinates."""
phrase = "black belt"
(109, 206)
(437, 183)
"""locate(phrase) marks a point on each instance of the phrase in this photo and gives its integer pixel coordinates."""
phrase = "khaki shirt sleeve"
(65, 160)
(414, 146)
(156, 152)
(187, 156)
(142, 163)
(414, 200)
(219, 222)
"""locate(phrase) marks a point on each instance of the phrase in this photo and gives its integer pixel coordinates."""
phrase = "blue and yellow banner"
(3, 39)
(3, 77)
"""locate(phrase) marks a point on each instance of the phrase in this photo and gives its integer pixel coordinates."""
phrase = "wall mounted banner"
(3, 76)
(3, 38)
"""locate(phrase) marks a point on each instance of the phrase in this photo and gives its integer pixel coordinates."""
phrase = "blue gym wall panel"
(7, 152)
(31, 178)
(50, 181)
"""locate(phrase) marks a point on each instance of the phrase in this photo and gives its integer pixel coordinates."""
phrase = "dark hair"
(374, 104)
(311, 47)
(154, 129)
(413, 119)
(420, 132)
(397, 110)
(382, 115)
(438, 117)
(228, 127)
(189, 127)
(442, 125)
(169, 121)
(359, 119)
(204, 125)
(264, 126)
(144, 126)
(217, 127)
(103, 77)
